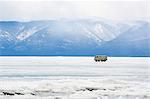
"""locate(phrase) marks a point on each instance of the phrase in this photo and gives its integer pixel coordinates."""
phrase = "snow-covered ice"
(74, 78)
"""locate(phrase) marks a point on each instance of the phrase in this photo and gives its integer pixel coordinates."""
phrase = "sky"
(27, 10)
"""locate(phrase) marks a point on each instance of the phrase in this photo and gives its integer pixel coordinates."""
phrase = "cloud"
(44, 10)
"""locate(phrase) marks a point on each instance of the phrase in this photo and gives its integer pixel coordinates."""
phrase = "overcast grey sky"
(45, 10)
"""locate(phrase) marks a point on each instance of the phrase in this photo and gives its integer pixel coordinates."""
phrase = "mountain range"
(75, 37)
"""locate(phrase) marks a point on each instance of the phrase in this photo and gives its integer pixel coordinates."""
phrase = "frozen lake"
(74, 78)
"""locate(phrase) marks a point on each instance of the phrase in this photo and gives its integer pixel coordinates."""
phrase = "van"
(101, 58)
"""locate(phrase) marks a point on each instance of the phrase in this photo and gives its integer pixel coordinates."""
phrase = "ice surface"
(74, 78)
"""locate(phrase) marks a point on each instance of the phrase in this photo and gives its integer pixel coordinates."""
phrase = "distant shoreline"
(63, 56)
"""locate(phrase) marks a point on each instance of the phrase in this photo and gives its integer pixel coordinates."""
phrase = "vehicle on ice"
(101, 58)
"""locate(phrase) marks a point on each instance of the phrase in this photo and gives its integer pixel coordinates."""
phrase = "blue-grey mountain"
(75, 37)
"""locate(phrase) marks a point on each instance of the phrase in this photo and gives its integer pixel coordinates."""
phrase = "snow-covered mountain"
(75, 37)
